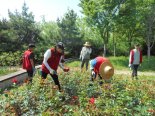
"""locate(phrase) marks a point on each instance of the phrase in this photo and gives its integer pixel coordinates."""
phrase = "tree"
(24, 27)
(100, 14)
(127, 20)
(50, 34)
(7, 37)
(69, 32)
(147, 19)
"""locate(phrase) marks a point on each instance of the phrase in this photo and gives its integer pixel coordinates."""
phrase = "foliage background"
(111, 27)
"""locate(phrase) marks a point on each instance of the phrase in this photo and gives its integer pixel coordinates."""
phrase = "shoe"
(101, 83)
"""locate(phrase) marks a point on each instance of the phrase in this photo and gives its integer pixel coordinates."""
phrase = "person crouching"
(101, 67)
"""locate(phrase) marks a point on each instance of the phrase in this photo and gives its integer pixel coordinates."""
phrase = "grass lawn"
(7, 70)
(121, 63)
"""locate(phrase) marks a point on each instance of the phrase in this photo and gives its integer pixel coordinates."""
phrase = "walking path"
(126, 72)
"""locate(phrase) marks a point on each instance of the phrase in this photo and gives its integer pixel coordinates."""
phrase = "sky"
(51, 9)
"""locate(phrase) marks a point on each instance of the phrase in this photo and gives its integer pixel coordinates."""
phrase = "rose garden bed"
(121, 96)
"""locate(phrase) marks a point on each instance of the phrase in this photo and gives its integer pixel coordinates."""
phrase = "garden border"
(6, 81)
(20, 76)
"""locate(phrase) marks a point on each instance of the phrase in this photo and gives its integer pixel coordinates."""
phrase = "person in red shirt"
(101, 67)
(53, 58)
(28, 61)
(135, 59)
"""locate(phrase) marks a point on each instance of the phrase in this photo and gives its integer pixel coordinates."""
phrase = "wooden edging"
(19, 77)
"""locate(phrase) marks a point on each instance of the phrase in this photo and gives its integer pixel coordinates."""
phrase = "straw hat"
(106, 70)
(87, 44)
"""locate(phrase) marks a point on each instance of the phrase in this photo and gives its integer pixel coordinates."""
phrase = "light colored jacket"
(135, 57)
(85, 53)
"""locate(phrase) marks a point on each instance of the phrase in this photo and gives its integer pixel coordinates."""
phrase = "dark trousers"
(30, 74)
(84, 61)
(54, 77)
(134, 70)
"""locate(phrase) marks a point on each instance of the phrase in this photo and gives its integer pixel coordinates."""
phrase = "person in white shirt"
(53, 58)
(85, 55)
(135, 59)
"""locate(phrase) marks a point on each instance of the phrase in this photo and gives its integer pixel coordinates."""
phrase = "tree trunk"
(104, 52)
(114, 48)
(148, 49)
(148, 52)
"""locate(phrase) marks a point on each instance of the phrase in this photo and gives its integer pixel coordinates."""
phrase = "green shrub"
(10, 58)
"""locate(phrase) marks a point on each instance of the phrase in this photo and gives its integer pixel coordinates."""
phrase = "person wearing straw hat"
(102, 67)
(85, 55)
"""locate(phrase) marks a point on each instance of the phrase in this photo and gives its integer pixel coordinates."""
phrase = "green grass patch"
(121, 63)
(73, 63)
(7, 70)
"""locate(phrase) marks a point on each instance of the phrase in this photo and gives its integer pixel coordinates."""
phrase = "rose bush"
(120, 96)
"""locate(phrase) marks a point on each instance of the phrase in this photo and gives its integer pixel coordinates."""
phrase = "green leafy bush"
(10, 58)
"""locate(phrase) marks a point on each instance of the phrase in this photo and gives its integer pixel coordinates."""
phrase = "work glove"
(66, 69)
(53, 72)
(93, 73)
(130, 65)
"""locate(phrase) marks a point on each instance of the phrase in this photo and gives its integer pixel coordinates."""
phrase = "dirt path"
(119, 72)
(128, 72)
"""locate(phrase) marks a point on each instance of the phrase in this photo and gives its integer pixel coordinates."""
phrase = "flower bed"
(121, 96)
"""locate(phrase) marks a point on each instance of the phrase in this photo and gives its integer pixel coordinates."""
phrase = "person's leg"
(43, 77)
(133, 71)
(136, 69)
(30, 75)
(56, 80)
(100, 78)
(82, 63)
(87, 62)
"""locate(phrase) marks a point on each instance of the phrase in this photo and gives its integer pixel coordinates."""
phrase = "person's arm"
(90, 50)
(61, 65)
(32, 60)
(81, 53)
(92, 64)
(131, 57)
(47, 55)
